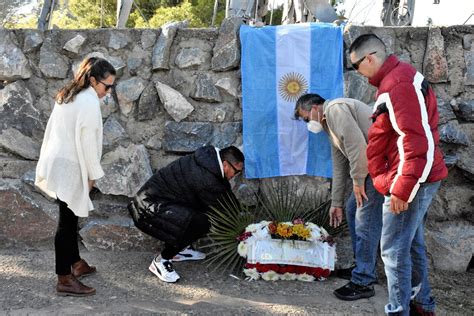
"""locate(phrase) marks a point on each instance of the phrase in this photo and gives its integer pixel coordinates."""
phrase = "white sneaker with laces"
(189, 253)
(163, 269)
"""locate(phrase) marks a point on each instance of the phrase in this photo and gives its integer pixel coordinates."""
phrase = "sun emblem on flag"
(291, 86)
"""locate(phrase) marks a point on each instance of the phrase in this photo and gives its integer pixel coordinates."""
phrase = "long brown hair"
(98, 68)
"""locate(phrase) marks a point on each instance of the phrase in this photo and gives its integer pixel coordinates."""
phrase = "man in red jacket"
(406, 166)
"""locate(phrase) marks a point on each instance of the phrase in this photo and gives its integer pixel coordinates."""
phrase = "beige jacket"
(71, 151)
(347, 123)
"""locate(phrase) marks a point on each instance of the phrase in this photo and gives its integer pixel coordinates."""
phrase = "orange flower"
(272, 228)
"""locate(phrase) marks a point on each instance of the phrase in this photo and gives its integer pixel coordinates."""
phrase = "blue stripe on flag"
(260, 130)
(326, 80)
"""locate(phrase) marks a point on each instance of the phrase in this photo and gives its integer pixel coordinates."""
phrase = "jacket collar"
(92, 91)
(219, 160)
(391, 62)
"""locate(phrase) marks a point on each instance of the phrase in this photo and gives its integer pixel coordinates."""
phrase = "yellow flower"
(284, 230)
(301, 231)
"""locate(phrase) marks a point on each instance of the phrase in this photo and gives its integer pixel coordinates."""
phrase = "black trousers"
(198, 227)
(65, 242)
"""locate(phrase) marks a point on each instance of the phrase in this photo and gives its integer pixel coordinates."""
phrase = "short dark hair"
(306, 102)
(231, 154)
(368, 43)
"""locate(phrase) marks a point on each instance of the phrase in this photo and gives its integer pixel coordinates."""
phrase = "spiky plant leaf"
(227, 223)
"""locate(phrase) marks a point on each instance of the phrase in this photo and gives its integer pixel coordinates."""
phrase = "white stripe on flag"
(293, 62)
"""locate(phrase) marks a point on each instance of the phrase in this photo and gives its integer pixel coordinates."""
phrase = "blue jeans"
(365, 226)
(404, 252)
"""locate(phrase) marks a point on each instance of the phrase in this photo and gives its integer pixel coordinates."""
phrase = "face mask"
(314, 126)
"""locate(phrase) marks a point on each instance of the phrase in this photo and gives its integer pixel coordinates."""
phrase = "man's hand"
(397, 205)
(359, 193)
(91, 184)
(335, 216)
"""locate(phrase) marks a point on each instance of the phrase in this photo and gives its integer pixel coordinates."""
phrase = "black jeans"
(198, 227)
(65, 241)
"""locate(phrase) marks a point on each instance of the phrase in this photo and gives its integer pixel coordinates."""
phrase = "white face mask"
(314, 126)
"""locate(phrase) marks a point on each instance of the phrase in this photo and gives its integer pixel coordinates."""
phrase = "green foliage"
(228, 222)
(84, 14)
(199, 14)
(29, 21)
(277, 202)
(164, 15)
(277, 14)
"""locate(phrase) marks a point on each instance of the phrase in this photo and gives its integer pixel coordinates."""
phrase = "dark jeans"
(198, 227)
(65, 241)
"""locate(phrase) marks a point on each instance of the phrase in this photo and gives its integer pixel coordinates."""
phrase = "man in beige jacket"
(347, 121)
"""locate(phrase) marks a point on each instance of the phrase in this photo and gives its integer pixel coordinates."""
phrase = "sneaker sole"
(187, 259)
(355, 297)
(153, 270)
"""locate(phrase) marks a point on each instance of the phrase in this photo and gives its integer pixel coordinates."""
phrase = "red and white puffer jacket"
(402, 149)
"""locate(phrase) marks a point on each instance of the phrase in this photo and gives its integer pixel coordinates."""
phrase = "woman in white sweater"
(69, 164)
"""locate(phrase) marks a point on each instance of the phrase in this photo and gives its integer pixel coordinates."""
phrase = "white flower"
(288, 223)
(324, 233)
(264, 223)
(252, 228)
(252, 274)
(242, 249)
(270, 276)
(305, 277)
(288, 276)
(262, 233)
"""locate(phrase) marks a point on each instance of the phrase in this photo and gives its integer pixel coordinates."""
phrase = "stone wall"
(178, 89)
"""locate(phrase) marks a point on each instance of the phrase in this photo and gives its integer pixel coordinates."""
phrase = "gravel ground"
(126, 287)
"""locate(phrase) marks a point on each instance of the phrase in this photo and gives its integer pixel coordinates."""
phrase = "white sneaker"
(189, 254)
(163, 269)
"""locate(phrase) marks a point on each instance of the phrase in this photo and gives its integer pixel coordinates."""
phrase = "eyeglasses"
(107, 86)
(357, 63)
(236, 171)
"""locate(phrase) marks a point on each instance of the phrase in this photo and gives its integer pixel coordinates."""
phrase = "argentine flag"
(279, 64)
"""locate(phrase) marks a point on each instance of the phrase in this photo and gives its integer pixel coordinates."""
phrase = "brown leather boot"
(68, 285)
(81, 269)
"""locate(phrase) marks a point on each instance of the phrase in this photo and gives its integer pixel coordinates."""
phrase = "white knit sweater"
(71, 152)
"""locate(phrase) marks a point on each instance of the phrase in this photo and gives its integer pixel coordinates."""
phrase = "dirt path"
(124, 286)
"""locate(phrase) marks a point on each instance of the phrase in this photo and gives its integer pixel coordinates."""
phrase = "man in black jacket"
(171, 206)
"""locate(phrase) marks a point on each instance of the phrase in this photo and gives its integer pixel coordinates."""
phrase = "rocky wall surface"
(178, 89)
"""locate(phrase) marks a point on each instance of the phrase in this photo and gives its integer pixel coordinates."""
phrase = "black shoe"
(345, 274)
(352, 292)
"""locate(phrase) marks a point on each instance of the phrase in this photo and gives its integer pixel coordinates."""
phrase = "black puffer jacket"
(164, 205)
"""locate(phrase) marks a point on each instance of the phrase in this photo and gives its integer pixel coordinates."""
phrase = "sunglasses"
(107, 86)
(357, 63)
(236, 171)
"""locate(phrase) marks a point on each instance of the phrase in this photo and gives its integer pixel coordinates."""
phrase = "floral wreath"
(286, 251)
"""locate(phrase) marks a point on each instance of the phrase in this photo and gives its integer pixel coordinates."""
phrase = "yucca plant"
(278, 202)
(227, 223)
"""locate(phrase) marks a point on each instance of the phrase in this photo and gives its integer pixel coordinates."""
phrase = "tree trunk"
(123, 11)
(45, 15)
